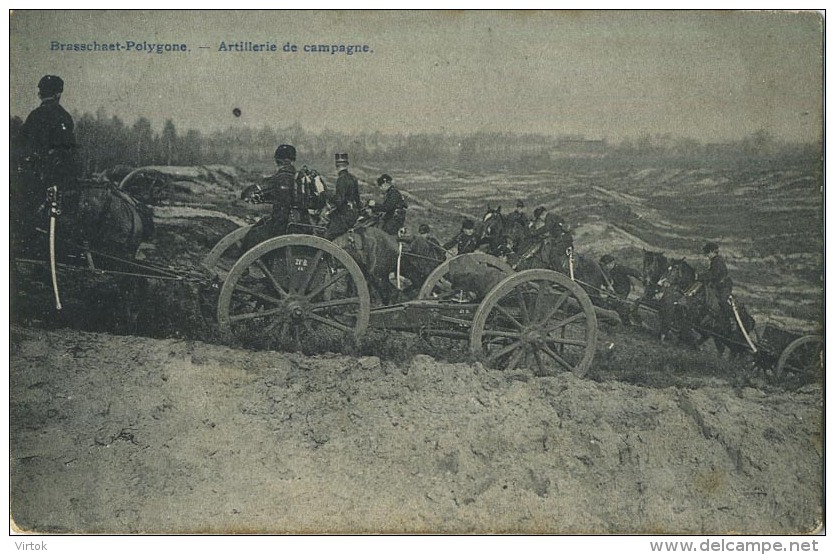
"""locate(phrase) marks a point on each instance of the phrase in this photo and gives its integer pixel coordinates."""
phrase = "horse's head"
(655, 265)
(679, 274)
(492, 225)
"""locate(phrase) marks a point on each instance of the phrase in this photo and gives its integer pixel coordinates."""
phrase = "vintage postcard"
(453, 272)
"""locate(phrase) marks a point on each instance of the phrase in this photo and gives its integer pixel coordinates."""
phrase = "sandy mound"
(126, 434)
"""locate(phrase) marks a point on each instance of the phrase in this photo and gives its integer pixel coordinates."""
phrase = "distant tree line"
(106, 141)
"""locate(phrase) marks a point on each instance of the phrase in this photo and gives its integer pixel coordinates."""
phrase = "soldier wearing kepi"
(393, 208)
(280, 187)
(466, 240)
(47, 155)
(346, 200)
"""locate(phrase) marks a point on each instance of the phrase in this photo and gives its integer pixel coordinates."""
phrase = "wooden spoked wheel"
(537, 319)
(440, 284)
(801, 360)
(226, 252)
(294, 292)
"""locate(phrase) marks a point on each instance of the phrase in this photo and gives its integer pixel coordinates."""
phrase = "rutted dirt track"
(122, 433)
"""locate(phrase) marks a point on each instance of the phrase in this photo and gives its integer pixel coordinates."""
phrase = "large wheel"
(438, 284)
(294, 292)
(538, 319)
(801, 360)
(226, 252)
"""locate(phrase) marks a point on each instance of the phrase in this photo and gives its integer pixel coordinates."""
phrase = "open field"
(165, 430)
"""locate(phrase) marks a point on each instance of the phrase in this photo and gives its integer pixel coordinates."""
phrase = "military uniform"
(393, 210)
(619, 278)
(281, 187)
(553, 228)
(428, 253)
(518, 217)
(718, 278)
(347, 201)
(47, 147)
(464, 243)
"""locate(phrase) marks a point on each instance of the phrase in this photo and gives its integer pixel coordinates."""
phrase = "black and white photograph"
(471, 272)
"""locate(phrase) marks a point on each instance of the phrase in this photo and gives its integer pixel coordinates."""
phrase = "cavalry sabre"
(739, 323)
(54, 211)
(570, 251)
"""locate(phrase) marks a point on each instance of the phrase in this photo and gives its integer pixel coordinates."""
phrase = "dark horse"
(655, 265)
(695, 309)
(674, 281)
(111, 222)
(99, 227)
(558, 254)
(501, 235)
(376, 253)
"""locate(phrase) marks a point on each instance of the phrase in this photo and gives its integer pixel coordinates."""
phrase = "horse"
(376, 252)
(673, 283)
(698, 312)
(107, 219)
(558, 254)
(100, 227)
(500, 233)
(655, 265)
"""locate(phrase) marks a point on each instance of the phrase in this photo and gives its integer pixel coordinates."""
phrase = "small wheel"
(538, 319)
(226, 252)
(801, 360)
(440, 283)
(294, 292)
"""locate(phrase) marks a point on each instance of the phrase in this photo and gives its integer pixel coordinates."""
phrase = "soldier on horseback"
(717, 278)
(393, 209)
(518, 216)
(45, 154)
(466, 240)
(550, 226)
(346, 200)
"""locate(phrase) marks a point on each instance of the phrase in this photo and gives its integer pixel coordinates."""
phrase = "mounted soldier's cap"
(520, 204)
(50, 85)
(468, 224)
(606, 258)
(341, 159)
(385, 178)
(424, 228)
(285, 152)
(709, 248)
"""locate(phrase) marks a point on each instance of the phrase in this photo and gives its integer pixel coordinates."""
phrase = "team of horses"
(689, 309)
(97, 217)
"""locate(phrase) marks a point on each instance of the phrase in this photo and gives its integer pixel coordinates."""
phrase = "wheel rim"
(226, 252)
(295, 292)
(538, 319)
(802, 359)
(438, 285)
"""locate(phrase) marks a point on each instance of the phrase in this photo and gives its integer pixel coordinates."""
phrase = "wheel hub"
(297, 309)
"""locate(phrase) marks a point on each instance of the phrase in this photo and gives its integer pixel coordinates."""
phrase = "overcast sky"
(707, 75)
